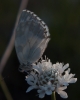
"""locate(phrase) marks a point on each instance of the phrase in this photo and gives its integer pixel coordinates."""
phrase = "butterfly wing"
(32, 37)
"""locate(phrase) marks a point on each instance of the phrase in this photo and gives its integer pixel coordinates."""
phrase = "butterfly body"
(31, 39)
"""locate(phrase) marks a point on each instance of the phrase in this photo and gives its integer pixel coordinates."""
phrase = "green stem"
(5, 89)
(53, 97)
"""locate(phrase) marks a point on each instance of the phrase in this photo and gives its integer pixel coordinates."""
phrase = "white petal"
(66, 78)
(62, 81)
(30, 82)
(31, 88)
(49, 84)
(48, 92)
(65, 66)
(42, 87)
(62, 88)
(36, 80)
(26, 76)
(52, 88)
(68, 70)
(72, 80)
(41, 95)
(63, 94)
(29, 77)
(71, 75)
(65, 83)
(39, 91)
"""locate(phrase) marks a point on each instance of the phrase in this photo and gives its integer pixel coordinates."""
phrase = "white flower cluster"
(48, 78)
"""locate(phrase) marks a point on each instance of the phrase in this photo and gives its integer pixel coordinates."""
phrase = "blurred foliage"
(63, 19)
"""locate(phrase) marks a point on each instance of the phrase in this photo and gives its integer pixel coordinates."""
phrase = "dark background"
(63, 19)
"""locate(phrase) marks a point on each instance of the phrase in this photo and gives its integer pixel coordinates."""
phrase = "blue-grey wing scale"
(31, 39)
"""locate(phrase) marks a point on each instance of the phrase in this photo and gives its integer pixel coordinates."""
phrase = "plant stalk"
(53, 96)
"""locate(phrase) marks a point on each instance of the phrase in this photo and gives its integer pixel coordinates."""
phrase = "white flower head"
(47, 78)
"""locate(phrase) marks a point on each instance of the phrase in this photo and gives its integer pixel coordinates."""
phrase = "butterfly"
(31, 39)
